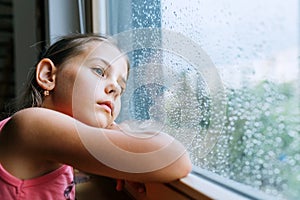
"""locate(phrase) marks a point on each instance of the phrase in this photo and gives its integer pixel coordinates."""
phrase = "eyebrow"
(98, 59)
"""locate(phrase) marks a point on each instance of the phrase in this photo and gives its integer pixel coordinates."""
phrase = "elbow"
(186, 166)
(188, 169)
(179, 169)
(175, 171)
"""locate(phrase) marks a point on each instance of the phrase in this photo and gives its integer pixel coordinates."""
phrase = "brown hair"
(59, 52)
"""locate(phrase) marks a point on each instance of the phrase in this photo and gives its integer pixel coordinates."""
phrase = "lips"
(107, 106)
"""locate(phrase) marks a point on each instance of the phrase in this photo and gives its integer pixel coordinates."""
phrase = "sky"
(254, 39)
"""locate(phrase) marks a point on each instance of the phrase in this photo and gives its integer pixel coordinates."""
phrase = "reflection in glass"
(255, 48)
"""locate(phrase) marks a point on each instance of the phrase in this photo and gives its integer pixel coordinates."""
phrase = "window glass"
(246, 115)
(255, 47)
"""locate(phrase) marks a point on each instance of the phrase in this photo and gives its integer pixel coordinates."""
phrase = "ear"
(45, 74)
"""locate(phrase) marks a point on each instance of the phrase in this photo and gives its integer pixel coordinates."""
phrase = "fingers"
(114, 126)
(140, 187)
(120, 185)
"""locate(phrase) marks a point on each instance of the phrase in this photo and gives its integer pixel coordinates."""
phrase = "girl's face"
(89, 86)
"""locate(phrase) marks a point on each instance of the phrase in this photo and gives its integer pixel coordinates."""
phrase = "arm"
(48, 135)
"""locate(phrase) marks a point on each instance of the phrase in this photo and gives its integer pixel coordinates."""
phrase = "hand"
(120, 184)
(114, 126)
(139, 187)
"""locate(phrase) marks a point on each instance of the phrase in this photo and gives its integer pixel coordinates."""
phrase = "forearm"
(100, 151)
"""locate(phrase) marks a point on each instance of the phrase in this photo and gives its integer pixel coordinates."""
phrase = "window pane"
(251, 133)
(255, 47)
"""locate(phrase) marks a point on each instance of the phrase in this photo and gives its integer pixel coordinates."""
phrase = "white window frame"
(199, 184)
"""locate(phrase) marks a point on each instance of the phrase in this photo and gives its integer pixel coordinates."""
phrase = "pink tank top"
(56, 185)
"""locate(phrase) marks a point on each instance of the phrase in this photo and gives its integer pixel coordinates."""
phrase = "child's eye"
(99, 71)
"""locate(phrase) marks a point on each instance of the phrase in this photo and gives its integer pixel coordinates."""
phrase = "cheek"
(85, 85)
(81, 90)
(62, 94)
(83, 97)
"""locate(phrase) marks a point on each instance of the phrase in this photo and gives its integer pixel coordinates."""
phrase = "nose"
(112, 88)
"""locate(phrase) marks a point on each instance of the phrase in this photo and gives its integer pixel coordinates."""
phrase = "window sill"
(200, 184)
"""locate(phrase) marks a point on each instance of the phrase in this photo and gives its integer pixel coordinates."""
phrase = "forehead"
(96, 53)
(106, 51)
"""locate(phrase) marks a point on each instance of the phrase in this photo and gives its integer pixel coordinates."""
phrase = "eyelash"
(101, 73)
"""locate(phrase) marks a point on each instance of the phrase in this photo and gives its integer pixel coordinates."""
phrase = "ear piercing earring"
(46, 93)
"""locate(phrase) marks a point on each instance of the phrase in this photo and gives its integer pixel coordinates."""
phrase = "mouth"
(107, 106)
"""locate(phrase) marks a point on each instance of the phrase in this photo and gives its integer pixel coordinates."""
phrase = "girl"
(67, 120)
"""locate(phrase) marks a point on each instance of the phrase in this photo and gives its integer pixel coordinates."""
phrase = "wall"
(37, 23)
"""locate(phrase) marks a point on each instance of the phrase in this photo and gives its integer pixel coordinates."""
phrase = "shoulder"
(38, 122)
(36, 112)
(36, 116)
(39, 133)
